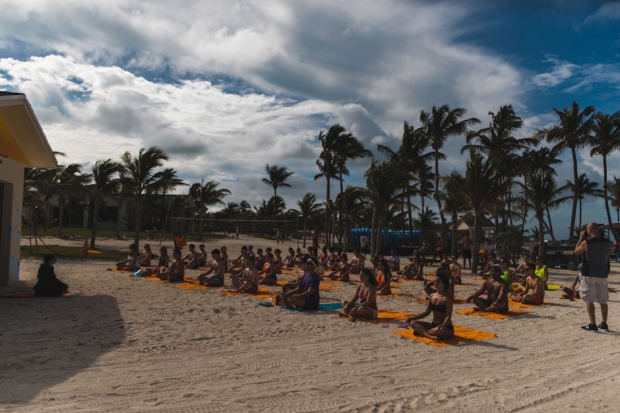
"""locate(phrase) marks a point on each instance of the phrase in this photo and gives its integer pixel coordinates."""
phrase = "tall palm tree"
(438, 126)
(350, 205)
(572, 132)
(455, 201)
(308, 208)
(328, 171)
(204, 195)
(614, 195)
(138, 178)
(482, 189)
(583, 188)
(106, 182)
(606, 139)
(169, 180)
(542, 194)
(277, 177)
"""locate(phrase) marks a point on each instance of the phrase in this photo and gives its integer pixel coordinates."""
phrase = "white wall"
(12, 175)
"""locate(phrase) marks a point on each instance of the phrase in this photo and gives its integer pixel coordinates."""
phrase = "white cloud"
(560, 72)
(606, 13)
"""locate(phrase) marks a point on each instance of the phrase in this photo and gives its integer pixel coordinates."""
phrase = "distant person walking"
(237, 232)
(593, 287)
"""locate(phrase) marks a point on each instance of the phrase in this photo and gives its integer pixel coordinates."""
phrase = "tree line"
(508, 178)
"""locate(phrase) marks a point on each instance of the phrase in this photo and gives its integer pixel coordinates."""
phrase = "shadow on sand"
(46, 341)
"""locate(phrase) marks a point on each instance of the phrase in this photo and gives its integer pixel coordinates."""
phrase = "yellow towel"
(497, 316)
(461, 335)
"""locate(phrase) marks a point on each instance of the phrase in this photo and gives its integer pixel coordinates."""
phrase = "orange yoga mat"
(461, 335)
(386, 315)
(524, 305)
(497, 316)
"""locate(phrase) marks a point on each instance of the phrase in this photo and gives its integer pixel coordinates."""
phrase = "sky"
(226, 87)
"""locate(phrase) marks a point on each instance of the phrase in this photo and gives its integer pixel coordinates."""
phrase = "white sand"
(129, 344)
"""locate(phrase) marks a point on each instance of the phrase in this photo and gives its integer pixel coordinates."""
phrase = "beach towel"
(461, 335)
(327, 306)
(31, 294)
(180, 242)
(94, 252)
(497, 316)
(323, 287)
(385, 315)
(524, 305)
(553, 287)
(464, 283)
(456, 300)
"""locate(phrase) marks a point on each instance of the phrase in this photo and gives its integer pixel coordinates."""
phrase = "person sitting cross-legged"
(440, 305)
(366, 293)
(533, 283)
(497, 290)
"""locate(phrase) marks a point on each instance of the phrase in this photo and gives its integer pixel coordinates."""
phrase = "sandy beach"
(129, 344)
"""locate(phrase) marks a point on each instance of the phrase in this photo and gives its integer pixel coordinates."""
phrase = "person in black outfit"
(48, 285)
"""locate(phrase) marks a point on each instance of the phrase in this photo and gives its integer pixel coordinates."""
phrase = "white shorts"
(594, 289)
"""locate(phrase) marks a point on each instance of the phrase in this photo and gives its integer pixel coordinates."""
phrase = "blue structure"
(390, 239)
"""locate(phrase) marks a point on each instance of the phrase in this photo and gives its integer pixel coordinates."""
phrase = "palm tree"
(329, 172)
(455, 201)
(308, 208)
(168, 181)
(606, 139)
(204, 195)
(439, 125)
(482, 189)
(277, 177)
(138, 178)
(106, 182)
(583, 188)
(542, 194)
(572, 132)
(614, 195)
(350, 206)
(67, 180)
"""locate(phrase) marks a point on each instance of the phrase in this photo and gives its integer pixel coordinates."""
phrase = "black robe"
(48, 285)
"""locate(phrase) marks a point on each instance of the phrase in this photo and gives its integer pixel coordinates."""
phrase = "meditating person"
(487, 270)
(163, 262)
(455, 270)
(214, 277)
(541, 270)
(394, 261)
(131, 263)
(192, 258)
(522, 268)
(269, 277)
(366, 294)
(422, 251)
(289, 260)
(342, 270)
(176, 271)
(440, 305)
(223, 256)
(533, 283)
(323, 257)
(357, 262)
(439, 251)
(384, 278)
(277, 261)
(332, 259)
(306, 295)
(429, 286)
(238, 265)
(203, 256)
(507, 273)
(415, 270)
(497, 290)
(48, 285)
(248, 280)
(144, 259)
(298, 256)
(251, 253)
(466, 244)
(259, 259)
(573, 292)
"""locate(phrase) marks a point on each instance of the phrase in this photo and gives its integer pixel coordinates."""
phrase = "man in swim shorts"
(534, 283)
(248, 280)
(497, 293)
(593, 287)
(216, 268)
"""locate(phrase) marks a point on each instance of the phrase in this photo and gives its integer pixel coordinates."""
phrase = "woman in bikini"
(144, 259)
(163, 263)
(277, 261)
(131, 263)
(223, 256)
(415, 270)
(366, 293)
(342, 271)
(289, 259)
(440, 305)
(384, 278)
(332, 260)
(269, 277)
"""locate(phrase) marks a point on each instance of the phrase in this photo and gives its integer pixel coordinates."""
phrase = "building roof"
(467, 222)
(21, 136)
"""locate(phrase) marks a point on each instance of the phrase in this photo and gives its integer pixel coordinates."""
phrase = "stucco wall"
(12, 175)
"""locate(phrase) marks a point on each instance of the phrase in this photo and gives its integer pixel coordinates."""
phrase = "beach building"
(22, 145)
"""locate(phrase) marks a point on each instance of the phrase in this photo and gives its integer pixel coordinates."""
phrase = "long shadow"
(46, 341)
(490, 344)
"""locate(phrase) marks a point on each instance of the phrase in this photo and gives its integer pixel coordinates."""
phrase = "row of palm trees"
(507, 177)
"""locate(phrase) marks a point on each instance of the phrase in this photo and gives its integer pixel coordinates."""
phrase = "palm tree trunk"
(61, 211)
(326, 212)
(93, 232)
(200, 211)
(476, 240)
(443, 219)
(373, 236)
(379, 235)
(541, 235)
(455, 234)
(118, 219)
(550, 227)
(613, 231)
(574, 210)
(410, 220)
(136, 239)
(305, 222)
(580, 212)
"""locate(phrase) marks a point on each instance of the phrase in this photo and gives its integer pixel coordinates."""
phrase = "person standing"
(315, 241)
(237, 232)
(178, 236)
(364, 243)
(593, 287)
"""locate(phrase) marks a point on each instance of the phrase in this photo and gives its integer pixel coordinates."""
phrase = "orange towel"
(461, 335)
(328, 287)
(464, 283)
(115, 270)
(190, 287)
(611, 289)
(385, 315)
(479, 279)
(524, 305)
(486, 314)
